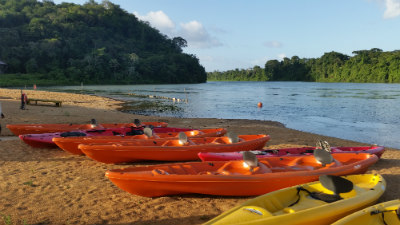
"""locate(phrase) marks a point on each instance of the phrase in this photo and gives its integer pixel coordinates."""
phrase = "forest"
(365, 66)
(95, 43)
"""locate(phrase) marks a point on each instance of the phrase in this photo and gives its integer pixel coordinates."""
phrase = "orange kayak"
(234, 178)
(170, 150)
(20, 129)
(70, 144)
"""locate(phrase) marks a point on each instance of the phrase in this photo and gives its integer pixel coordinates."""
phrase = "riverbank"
(50, 186)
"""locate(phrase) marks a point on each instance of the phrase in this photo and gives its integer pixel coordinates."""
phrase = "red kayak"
(45, 140)
(226, 156)
(19, 129)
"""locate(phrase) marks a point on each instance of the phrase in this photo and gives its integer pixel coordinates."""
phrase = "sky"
(230, 34)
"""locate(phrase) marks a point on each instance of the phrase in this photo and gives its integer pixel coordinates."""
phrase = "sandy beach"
(50, 186)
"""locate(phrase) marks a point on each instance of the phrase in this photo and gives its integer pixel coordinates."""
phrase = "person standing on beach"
(1, 116)
(24, 100)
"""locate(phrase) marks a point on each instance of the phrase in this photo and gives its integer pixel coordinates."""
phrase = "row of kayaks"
(19, 129)
(317, 185)
(129, 144)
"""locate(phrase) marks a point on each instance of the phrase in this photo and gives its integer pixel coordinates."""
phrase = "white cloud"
(392, 9)
(273, 44)
(197, 36)
(159, 20)
(193, 32)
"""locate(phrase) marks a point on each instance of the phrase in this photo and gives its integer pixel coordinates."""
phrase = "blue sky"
(230, 34)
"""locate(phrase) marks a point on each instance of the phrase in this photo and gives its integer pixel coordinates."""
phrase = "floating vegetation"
(148, 107)
(159, 97)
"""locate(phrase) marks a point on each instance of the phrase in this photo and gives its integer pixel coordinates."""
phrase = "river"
(364, 112)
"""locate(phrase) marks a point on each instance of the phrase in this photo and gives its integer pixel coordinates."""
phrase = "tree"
(179, 43)
(102, 41)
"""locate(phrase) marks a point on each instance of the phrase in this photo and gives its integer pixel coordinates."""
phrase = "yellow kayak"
(386, 213)
(321, 202)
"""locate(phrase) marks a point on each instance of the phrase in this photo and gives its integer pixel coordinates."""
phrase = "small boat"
(386, 213)
(20, 129)
(45, 140)
(225, 156)
(70, 144)
(321, 202)
(246, 177)
(171, 150)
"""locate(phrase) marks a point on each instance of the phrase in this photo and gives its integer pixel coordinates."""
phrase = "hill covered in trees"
(365, 66)
(93, 43)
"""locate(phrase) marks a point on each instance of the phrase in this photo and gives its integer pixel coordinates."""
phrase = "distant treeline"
(365, 66)
(91, 43)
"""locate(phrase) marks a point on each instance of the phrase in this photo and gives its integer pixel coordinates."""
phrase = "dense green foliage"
(365, 66)
(91, 43)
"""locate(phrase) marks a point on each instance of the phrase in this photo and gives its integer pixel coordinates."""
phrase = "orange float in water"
(259, 105)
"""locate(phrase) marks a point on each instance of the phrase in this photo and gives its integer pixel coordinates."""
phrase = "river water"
(356, 111)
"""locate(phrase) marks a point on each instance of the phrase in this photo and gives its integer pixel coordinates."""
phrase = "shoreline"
(50, 186)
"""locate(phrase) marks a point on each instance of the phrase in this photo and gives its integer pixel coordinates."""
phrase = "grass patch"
(29, 183)
(7, 219)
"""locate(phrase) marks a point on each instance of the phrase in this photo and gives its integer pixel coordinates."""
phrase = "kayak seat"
(220, 141)
(335, 184)
(72, 134)
(182, 169)
(302, 164)
(238, 140)
(240, 168)
(306, 202)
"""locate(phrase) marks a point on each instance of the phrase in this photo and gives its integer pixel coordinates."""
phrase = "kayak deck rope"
(317, 195)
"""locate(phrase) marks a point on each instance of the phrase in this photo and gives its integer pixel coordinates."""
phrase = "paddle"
(183, 139)
(148, 132)
(324, 145)
(336, 184)
(233, 138)
(250, 159)
(322, 155)
(93, 123)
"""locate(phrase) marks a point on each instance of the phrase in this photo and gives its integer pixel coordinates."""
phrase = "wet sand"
(50, 186)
